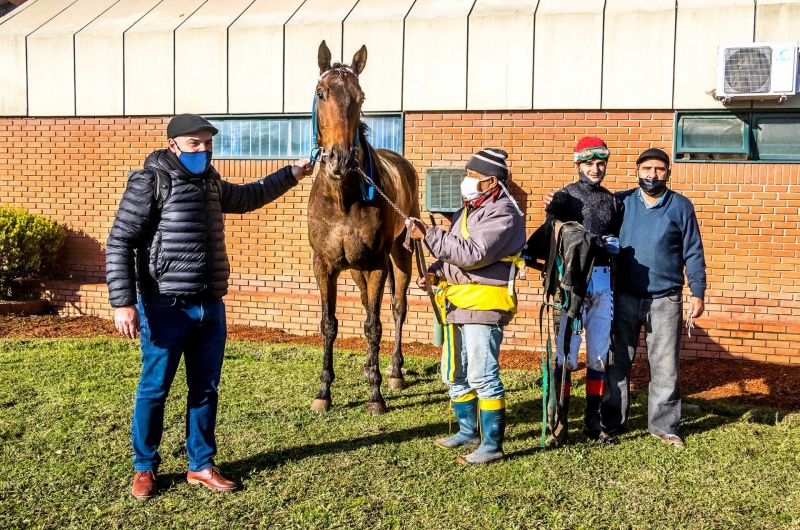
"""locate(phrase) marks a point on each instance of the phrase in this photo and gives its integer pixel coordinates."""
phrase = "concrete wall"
(51, 59)
(100, 59)
(568, 69)
(201, 57)
(260, 56)
(315, 21)
(150, 58)
(378, 25)
(702, 25)
(435, 62)
(638, 54)
(500, 73)
(255, 57)
(13, 55)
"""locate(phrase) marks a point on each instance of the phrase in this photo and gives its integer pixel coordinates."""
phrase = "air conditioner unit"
(757, 70)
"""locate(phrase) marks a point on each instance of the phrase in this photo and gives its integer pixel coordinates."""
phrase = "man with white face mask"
(474, 275)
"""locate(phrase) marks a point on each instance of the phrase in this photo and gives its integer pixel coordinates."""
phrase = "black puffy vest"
(179, 249)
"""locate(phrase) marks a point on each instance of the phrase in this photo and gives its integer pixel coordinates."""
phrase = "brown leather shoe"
(671, 439)
(211, 478)
(144, 485)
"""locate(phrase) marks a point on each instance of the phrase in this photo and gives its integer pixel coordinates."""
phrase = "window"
(737, 136)
(443, 189)
(291, 137)
(777, 136)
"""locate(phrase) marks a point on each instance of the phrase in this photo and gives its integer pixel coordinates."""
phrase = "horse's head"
(338, 100)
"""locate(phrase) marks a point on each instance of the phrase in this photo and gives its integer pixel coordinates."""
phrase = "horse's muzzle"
(340, 162)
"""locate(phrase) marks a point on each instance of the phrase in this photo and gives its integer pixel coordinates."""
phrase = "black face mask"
(652, 187)
(586, 180)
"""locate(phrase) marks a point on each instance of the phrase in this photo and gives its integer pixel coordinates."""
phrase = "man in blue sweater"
(659, 239)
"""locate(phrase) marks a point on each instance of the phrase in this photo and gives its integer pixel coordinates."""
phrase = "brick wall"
(73, 171)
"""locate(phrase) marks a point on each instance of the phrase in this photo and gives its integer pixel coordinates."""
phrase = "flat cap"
(187, 124)
(658, 154)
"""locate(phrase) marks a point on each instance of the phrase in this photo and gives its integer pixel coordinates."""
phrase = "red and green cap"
(591, 147)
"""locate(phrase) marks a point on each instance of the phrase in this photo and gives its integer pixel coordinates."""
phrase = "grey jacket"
(496, 230)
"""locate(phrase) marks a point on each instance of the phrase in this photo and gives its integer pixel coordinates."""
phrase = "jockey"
(587, 202)
(473, 277)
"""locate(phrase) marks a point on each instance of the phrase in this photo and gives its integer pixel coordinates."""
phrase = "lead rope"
(689, 322)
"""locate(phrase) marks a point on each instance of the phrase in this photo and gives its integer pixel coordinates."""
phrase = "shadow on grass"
(712, 416)
(241, 470)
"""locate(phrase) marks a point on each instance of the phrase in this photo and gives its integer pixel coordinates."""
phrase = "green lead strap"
(546, 356)
(545, 388)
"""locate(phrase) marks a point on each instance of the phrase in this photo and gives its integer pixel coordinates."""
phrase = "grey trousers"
(661, 318)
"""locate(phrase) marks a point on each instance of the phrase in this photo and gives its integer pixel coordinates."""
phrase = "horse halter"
(317, 151)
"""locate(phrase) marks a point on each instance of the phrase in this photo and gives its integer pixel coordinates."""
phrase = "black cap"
(658, 154)
(187, 124)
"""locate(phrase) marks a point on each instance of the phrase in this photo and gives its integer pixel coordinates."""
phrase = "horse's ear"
(324, 57)
(359, 60)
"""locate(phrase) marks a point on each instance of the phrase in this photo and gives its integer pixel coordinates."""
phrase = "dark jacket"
(179, 250)
(597, 209)
(578, 252)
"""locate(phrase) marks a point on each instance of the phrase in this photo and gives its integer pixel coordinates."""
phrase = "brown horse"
(348, 232)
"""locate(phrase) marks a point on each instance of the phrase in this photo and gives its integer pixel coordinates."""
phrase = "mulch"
(752, 383)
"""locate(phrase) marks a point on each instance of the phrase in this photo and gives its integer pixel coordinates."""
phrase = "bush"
(29, 244)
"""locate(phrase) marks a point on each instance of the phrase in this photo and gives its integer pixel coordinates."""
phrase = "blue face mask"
(195, 163)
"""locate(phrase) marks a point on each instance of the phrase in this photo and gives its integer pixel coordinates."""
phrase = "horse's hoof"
(377, 408)
(320, 406)
(397, 383)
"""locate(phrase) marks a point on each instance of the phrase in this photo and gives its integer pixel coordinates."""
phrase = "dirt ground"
(762, 384)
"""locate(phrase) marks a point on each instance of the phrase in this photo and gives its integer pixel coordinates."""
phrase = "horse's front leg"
(373, 329)
(326, 281)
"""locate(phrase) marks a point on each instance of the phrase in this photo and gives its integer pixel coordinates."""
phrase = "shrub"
(29, 244)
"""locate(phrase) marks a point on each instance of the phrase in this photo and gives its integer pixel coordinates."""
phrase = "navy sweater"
(657, 244)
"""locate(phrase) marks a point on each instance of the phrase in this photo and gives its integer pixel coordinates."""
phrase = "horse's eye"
(320, 95)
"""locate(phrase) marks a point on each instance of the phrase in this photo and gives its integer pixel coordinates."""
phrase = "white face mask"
(469, 188)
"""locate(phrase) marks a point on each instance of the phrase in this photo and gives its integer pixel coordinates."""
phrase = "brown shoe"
(144, 485)
(211, 478)
(671, 439)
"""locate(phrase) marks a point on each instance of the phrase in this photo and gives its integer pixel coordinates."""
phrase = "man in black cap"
(660, 241)
(168, 237)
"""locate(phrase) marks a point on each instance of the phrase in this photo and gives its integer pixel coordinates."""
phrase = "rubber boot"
(558, 410)
(466, 408)
(493, 428)
(594, 398)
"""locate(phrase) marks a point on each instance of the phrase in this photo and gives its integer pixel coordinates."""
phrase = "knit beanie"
(490, 162)
(590, 147)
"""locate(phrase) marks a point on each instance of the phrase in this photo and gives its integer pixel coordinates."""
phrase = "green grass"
(65, 409)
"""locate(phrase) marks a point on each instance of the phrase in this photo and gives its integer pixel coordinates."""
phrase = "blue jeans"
(170, 327)
(474, 360)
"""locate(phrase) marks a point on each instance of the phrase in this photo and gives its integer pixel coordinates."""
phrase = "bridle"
(318, 152)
